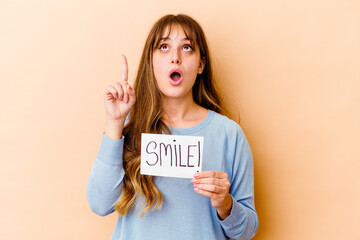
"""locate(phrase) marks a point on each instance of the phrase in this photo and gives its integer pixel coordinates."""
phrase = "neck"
(182, 113)
(177, 109)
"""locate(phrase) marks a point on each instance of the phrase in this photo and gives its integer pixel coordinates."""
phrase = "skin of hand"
(118, 98)
(215, 185)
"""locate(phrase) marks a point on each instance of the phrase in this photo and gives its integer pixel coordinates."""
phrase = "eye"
(164, 47)
(187, 48)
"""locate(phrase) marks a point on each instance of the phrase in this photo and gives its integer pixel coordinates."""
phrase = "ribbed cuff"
(237, 212)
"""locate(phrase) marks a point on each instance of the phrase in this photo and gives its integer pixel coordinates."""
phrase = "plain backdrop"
(289, 69)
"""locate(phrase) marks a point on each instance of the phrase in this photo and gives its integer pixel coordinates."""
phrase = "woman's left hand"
(215, 185)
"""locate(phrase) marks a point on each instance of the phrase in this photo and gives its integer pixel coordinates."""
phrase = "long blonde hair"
(146, 114)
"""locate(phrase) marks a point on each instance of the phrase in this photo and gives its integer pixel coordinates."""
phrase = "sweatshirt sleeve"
(242, 223)
(104, 184)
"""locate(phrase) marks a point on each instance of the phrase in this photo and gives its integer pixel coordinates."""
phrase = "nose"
(175, 57)
(176, 60)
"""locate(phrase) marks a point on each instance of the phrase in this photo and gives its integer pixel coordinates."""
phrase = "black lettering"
(188, 159)
(166, 150)
(147, 150)
(180, 157)
(199, 153)
(175, 155)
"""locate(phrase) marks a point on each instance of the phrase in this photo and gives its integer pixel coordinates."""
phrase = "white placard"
(171, 155)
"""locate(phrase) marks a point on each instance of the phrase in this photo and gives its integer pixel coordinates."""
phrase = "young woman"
(173, 93)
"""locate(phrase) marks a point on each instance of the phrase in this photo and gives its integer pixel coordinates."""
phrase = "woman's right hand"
(119, 97)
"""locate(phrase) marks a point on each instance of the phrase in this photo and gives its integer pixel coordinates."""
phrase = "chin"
(176, 94)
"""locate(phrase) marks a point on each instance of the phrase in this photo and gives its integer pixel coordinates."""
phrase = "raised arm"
(104, 184)
(119, 98)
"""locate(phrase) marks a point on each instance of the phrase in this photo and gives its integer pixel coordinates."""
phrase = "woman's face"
(176, 64)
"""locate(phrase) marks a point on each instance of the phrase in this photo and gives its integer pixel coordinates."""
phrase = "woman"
(173, 93)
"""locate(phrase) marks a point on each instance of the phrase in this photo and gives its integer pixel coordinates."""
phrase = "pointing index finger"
(124, 69)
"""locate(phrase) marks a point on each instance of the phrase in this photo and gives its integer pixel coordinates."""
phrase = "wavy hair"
(146, 114)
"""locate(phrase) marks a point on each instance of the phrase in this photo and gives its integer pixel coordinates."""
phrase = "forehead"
(165, 30)
(174, 30)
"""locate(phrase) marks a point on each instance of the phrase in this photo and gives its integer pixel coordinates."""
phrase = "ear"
(201, 66)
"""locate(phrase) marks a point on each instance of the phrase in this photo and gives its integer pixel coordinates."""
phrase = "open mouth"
(175, 76)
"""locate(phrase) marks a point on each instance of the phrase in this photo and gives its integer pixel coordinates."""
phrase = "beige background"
(289, 68)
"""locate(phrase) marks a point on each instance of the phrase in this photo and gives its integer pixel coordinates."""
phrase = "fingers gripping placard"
(171, 155)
